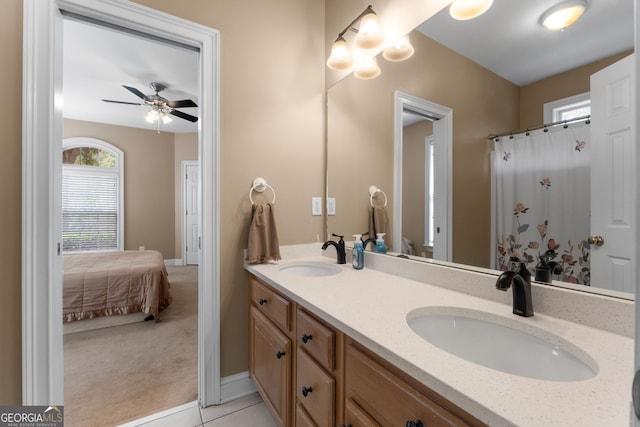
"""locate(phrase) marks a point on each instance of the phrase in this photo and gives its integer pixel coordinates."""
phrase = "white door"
(613, 176)
(191, 239)
(441, 176)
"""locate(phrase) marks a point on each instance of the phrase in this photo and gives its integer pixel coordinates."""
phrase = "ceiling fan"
(160, 106)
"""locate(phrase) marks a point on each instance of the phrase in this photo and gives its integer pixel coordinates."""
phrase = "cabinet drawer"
(315, 390)
(356, 417)
(277, 308)
(318, 340)
(388, 399)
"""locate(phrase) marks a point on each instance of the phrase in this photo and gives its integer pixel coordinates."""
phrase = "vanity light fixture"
(369, 36)
(399, 51)
(367, 70)
(563, 15)
(463, 10)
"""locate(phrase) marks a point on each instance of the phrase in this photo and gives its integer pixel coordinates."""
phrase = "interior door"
(613, 177)
(191, 213)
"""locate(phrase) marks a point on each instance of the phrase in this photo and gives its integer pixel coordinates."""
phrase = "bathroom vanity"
(332, 346)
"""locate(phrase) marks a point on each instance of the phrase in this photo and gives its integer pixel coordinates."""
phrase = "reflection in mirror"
(360, 135)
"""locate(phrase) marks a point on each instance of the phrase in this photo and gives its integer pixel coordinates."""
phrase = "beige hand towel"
(263, 243)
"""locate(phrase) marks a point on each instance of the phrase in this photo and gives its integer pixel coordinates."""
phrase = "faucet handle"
(337, 235)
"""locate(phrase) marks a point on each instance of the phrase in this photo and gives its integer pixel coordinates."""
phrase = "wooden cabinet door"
(315, 390)
(270, 365)
(355, 416)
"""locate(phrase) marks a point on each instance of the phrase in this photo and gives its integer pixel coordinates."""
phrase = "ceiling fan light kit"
(160, 108)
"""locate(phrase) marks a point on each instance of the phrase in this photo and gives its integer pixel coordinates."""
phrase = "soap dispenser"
(358, 253)
(380, 247)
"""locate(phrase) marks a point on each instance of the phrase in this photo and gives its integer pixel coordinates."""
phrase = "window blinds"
(89, 211)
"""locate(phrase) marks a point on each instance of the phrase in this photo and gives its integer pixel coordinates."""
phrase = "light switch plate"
(331, 205)
(316, 206)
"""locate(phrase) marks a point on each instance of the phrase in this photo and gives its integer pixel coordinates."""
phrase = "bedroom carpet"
(121, 372)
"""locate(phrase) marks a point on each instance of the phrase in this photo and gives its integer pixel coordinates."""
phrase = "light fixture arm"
(368, 10)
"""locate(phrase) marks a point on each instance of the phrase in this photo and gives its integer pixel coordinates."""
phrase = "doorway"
(42, 149)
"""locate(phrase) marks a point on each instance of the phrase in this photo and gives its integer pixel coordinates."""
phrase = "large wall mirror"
(361, 148)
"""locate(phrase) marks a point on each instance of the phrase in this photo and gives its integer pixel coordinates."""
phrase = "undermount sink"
(486, 340)
(310, 269)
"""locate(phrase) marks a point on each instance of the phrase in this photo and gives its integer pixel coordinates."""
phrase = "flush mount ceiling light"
(369, 36)
(563, 14)
(399, 51)
(463, 10)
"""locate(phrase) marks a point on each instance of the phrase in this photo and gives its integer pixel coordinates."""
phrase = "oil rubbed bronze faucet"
(340, 249)
(521, 283)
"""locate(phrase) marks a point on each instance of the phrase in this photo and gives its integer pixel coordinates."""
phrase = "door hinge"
(59, 248)
(199, 243)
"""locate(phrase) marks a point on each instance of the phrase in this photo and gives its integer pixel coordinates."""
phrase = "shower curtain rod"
(544, 126)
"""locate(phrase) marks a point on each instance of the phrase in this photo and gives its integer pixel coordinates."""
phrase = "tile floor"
(248, 411)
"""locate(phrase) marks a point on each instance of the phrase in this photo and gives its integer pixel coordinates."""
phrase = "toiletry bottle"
(380, 247)
(358, 253)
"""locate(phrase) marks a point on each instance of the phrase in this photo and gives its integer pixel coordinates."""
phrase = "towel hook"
(260, 185)
(373, 190)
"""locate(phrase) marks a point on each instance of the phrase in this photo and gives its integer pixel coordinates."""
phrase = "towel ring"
(373, 190)
(260, 185)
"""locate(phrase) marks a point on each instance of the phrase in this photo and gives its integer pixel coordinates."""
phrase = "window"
(567, 108)
(92, 208)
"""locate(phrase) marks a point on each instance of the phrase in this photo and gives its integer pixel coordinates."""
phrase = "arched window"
(92, 195)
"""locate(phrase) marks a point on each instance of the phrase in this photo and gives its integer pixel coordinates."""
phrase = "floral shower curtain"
(542, 185)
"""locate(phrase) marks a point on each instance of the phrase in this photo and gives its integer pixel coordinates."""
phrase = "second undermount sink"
(486, 340)
(310, 269)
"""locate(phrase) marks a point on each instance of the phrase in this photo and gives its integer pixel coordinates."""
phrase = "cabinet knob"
(262, 301)
(416, 423)
(306, 338)
(306, 391)
(280, 354)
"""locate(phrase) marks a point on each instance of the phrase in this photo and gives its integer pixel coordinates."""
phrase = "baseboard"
(158, 415)
(172, 262)
(236, 386)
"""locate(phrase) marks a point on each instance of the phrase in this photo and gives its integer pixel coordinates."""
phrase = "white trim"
(183, 185)
(443, 129)
(42, 382)
(235, 386)
(173, 262)
(159, 415)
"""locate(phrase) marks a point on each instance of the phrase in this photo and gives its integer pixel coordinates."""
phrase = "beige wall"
(11, 196)
(360, 138)
(572, 82)
(413, 184)
(271, 126)
(149, 201)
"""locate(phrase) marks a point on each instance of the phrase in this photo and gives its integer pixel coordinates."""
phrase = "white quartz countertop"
(371, 307)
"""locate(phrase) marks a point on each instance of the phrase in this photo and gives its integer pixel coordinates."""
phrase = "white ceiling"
(509, 40)
(96, 63)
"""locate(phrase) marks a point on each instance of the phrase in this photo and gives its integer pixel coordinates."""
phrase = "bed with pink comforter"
(111, 283)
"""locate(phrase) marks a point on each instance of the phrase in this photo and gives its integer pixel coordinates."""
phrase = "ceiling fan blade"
(122, 102)
(184, 115)
(134, 91)
(185, 103)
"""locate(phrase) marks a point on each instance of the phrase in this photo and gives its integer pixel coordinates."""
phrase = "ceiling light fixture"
(563, 15)
(463, 10)
(369, 36)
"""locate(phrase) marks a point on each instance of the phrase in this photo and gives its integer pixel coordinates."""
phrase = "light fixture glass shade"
(166, 118)
(399, 51)
(340, 58)
(152, 116)
(563, 15)
(369, 34)
(367, 70)
(469, 9)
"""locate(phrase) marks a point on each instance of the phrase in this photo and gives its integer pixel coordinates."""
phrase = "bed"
(112, 283)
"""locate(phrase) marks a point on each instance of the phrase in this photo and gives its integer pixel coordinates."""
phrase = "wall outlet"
(331, 205)
(141, 248)
(316, 206)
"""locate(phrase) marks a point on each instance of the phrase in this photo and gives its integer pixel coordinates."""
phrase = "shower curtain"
(542, 199)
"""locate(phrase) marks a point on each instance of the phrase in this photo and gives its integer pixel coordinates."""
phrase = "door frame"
(185, 229)
(442, 129)
(42, 130)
